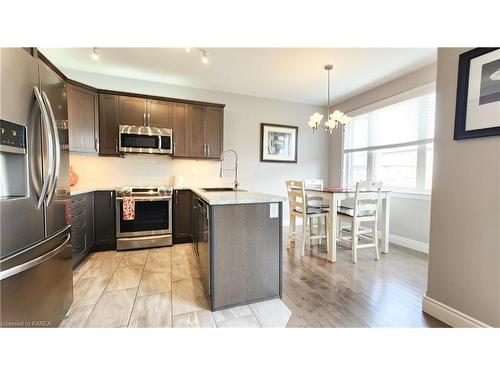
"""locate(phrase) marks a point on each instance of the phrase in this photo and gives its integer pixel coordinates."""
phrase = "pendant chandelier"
(333, 120)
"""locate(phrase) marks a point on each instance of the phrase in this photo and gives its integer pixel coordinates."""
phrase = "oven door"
(153, 216)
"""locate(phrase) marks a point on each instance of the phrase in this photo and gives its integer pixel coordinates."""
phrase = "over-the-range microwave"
(145, 140)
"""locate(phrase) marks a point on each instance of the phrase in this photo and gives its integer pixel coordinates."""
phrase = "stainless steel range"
(152, 224)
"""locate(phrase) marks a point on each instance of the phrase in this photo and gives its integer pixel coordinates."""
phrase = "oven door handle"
(142, 199)
(159, 142)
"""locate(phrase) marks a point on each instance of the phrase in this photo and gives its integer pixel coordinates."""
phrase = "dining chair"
(299, 209)
(315, 201)
(365, 211)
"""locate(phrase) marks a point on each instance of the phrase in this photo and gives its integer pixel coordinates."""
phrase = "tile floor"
(155, 288)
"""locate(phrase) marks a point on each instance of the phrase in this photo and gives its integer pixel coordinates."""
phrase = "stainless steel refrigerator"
(36, 278)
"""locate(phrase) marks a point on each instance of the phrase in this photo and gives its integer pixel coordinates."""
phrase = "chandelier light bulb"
(188, 50)
(334, 119)
(204, 58)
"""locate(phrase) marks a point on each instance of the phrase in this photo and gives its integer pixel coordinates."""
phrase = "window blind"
(406, 123)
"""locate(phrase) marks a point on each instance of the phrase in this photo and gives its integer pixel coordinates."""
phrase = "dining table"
(334, 195)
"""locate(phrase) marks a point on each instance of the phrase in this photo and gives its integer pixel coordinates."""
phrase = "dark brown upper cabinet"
(83, 119)
(145, 112)
(205, 132)
(196, 131)
(108, 125)
(214, 132)
(180, 129)
(132, 111)
(159, 113)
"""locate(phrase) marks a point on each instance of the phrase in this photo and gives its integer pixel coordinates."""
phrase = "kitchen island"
(238, 242)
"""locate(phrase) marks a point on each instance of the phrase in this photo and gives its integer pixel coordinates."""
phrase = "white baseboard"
(409, 243)
(449, 315)
(422, 247)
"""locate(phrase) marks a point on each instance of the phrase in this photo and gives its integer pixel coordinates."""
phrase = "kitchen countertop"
(76, 191)
(235, 197)
(212, 198)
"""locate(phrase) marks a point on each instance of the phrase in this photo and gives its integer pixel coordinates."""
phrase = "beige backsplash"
(143, 170)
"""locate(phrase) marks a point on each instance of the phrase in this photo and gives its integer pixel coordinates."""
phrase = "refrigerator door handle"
(32, 263)
(56, 150)
(47, 132)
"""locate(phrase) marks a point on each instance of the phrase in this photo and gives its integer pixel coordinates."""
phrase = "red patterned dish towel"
(128, 208)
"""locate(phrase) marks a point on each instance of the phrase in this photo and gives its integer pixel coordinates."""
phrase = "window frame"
(421, 144)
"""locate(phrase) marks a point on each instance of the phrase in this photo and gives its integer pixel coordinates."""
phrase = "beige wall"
(410, 216)
(242, 118)
(464, 259)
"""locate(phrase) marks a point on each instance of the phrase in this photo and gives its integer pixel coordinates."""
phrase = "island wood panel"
(264, 259)
(246, 252)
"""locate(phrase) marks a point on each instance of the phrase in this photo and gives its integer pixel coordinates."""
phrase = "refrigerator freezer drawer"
(38, 292)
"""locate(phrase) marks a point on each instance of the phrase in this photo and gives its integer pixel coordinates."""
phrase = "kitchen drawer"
(78, 201)
(78, 212)
(78, 239)
(79, 224)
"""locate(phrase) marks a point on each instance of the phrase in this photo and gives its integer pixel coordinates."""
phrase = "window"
(392, 144)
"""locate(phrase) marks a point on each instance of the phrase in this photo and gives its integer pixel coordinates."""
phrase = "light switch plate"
(273, 210)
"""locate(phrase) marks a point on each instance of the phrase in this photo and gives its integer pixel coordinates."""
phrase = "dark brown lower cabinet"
(82, 226)
(104, 220)
(182, 216)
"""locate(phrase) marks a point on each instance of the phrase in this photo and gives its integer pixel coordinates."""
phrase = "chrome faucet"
(235, 169)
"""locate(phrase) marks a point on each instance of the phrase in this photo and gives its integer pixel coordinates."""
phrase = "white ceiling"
(293, 74)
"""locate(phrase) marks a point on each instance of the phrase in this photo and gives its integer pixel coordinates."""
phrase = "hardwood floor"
(155, 288)
(384, 293)
(161, 288)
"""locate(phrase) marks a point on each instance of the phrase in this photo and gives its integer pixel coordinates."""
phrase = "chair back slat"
(313, 184)
(367, 198)
(296, 195)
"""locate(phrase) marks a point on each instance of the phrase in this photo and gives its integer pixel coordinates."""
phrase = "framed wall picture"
(477, 112)
(278, 143)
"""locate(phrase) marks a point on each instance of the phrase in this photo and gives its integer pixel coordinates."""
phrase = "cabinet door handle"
(149, 119)
(173, 149)
(116, 146)
(96, 144)
(208, 149)
(110, 199)
(144, 121)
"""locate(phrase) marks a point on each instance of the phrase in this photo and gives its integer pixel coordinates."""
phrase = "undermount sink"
(215, 189)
